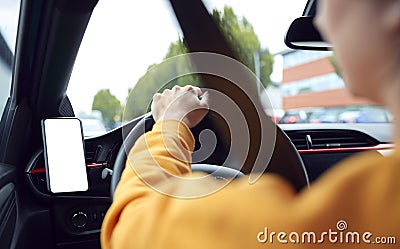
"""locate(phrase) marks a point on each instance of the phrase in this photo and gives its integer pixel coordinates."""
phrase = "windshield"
(125, 39)
(9, 13)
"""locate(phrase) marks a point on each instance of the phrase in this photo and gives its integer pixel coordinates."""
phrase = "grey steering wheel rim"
(145, 124)
(290, 166)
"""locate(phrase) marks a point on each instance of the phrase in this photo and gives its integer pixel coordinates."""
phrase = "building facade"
(310, 80)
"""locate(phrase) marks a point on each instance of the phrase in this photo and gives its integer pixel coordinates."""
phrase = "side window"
(6, 58)
(9, 12)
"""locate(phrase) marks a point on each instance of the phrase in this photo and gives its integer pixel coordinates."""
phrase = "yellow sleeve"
(362, 192)
(143, 166)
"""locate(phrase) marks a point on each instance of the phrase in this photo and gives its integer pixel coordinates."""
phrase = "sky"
(9, 20)
(124, 37)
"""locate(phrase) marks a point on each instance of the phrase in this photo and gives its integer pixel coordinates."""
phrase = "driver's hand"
(187, 104)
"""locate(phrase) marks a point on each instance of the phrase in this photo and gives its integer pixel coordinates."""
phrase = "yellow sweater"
(356, 201)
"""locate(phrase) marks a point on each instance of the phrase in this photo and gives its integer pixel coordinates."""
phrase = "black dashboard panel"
(101, 152)
(77, 217)
(321, 146)
(318, 164)
(382, 132)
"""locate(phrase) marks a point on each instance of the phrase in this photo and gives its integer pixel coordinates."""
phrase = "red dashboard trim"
(312, 151)
(94, 165)
(39, 170)
(350, 149)
(43, 170)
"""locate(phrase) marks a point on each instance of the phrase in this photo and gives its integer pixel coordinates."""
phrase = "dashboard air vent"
(329, 139)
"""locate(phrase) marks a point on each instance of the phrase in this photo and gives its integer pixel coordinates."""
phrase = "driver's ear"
(392, 18)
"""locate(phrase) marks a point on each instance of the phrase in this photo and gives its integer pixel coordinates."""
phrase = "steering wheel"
(285, 160)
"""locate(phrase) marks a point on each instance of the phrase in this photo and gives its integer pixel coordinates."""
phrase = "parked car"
(93, 127)
(92, 123)
(298, 116)
(365, 116)
(328, 115)
(275, 115)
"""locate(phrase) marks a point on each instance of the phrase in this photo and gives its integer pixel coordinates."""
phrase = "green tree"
(157, 78)
(108, 105)
(239, 33)
(176, 48)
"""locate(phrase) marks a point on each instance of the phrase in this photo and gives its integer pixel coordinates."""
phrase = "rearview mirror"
(302, 34)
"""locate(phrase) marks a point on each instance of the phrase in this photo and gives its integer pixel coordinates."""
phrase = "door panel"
(8, 208)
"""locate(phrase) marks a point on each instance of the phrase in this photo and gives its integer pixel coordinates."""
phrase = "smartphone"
(64, 154)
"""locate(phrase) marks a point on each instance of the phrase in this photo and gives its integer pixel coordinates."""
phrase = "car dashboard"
(78, 216)
(321, 146)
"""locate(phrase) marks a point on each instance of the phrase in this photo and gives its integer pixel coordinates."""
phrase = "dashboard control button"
(79, 219)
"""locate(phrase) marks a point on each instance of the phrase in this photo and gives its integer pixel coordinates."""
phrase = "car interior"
(48, 40)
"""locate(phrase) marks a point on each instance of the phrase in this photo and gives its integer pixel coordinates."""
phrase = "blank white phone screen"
(65, 156)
